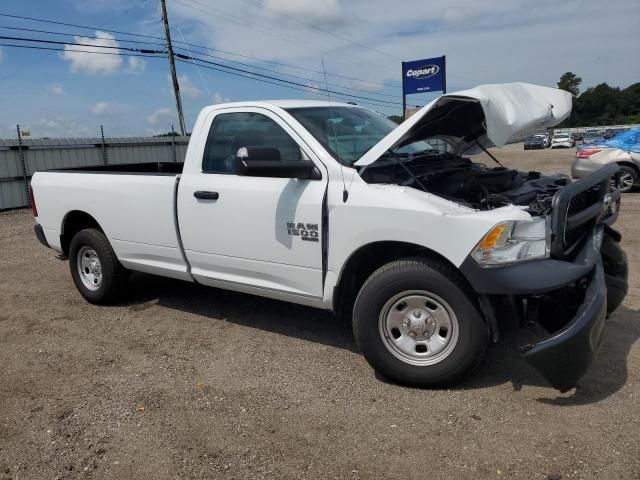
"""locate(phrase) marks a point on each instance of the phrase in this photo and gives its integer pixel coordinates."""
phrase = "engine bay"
(472, 184)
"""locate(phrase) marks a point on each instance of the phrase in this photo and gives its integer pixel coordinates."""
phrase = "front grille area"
(577, 209)
(573, 237)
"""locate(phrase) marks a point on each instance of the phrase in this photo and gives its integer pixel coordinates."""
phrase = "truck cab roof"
(281, 104)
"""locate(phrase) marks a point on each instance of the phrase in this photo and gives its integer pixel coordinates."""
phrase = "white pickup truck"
(333, 206)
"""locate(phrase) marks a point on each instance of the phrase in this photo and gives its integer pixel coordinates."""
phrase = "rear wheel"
(628, 178)
(416, 323)
(95, 269)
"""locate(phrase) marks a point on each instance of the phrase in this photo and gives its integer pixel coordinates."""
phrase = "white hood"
(491, 115)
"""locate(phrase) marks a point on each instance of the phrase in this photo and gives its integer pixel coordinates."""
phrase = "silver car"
(623, 149)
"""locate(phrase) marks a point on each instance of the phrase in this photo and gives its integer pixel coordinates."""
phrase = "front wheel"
(417, 324)
(628, 178)
(95, 269)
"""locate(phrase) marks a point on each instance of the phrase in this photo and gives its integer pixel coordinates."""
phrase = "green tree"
(602, 104)
(570, 82)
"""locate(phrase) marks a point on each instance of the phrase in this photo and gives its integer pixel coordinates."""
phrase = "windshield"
(347, 133)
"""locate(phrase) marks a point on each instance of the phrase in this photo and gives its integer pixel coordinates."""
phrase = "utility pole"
(172, 66)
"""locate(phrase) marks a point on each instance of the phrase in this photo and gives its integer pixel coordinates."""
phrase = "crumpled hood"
(489, 115)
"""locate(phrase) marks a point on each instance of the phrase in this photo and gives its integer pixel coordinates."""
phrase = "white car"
(563, 140)
(333, 206)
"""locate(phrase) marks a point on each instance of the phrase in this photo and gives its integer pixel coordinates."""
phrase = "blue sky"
(69, 94)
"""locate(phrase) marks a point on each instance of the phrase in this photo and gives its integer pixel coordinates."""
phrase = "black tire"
(633, 173)
(113, 276)
(438, 280)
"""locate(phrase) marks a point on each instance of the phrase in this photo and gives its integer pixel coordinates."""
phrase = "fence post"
(23, 163)
(173, 144)
(105, 158)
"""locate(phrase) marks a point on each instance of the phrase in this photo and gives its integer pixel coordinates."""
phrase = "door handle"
(202, 195)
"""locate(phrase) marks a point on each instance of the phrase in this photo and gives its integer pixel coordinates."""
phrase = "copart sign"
(426, 75)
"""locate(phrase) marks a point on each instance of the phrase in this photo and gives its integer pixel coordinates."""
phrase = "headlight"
(513, 241)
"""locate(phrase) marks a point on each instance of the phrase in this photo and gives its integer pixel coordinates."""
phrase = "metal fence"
(19, 159)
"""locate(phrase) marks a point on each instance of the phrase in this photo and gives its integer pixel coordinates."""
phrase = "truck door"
(256, 234)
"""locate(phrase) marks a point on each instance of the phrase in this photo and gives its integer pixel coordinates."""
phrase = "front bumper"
(565, 356)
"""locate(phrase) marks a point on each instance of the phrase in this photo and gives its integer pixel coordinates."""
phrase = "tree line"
(602, 104)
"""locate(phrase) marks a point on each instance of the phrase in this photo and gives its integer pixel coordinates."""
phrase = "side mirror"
(266, 162)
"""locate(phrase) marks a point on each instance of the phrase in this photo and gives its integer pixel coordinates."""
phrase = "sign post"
(420, 76)
(404, 96)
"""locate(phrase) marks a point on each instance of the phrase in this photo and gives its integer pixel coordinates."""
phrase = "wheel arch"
(72, 223)
(366, 260)
(625, 163)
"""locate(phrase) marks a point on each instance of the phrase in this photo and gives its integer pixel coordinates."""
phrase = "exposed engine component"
(473, 184)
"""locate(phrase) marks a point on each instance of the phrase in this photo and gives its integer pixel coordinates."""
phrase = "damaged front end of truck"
(564, 270)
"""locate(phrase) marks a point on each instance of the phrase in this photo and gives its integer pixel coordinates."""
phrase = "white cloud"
(102, 109)
(187, 87)
(93, 63)
(56, 89)
(1, 55)
(136, 65)
(217, 98)
(60, 127)
(161, 116)
(316, 11)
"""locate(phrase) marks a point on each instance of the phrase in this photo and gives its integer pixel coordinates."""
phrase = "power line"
(286, 74)
(243, 21)
(279, 84)
(150, 51)
(287, 84)
(315, 27)
(221, 68)
(79, 26)
(227, 52)
(79, 51)
(57, 42)
(287, 81)
(64, 34)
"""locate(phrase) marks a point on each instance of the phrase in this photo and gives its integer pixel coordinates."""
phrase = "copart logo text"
(423, 72)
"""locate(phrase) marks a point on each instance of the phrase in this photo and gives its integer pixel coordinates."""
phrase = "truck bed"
(133, 204)
(151, 168)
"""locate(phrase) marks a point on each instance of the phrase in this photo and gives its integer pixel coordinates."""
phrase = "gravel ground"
(187, 382)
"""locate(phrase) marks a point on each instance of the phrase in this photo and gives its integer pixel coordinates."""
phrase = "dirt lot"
(184, 382)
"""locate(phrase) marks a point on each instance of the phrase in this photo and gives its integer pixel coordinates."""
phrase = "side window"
(231, 131)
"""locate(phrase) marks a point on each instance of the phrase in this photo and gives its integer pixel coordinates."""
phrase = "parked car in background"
(592, 136)
(612, 132)
(534, 142)
(546, 137)
(577, 136)
(623, 149)
(562, 140)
